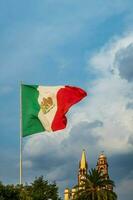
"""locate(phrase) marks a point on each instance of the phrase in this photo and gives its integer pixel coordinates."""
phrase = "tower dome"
(102, 156)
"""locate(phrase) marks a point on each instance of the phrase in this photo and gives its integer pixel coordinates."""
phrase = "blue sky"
(83, 43)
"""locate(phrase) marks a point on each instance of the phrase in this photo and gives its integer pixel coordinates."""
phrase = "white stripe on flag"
(45, 92)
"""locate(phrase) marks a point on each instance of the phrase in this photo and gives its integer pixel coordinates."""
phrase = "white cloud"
(109, 96)
(103, 60)
(40, 143)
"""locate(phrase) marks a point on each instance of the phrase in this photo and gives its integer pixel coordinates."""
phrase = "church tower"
(102, 166)
(83, 167)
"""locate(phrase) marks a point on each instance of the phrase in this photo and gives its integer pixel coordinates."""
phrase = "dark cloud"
(64, 167)
(121, 166)
(124, 61)
(129, 105)
(9, 167)
(83, 133)
(126, 195)
(63, 160)
(120, 171)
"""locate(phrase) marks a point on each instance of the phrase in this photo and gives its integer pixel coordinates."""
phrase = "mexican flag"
(44, 108)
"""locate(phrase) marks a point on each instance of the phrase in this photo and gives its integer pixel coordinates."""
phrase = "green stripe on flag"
(30, 109)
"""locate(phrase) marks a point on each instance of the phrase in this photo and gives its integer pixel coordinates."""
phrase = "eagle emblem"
(47, 104)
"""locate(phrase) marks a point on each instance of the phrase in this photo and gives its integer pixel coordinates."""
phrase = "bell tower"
(83, 167)
(102, 165)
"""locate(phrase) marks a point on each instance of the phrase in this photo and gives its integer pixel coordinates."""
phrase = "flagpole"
(20, 172)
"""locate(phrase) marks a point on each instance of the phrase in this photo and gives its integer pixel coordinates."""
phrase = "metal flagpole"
(20, 177)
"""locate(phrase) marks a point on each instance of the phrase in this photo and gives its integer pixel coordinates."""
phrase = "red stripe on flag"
(66, 97)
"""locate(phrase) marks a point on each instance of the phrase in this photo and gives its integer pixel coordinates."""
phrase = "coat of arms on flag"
(44, 107)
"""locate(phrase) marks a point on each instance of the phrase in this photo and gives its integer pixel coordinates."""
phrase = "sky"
(82, 43)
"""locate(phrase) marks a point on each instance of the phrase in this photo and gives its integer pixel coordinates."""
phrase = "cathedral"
(102, 166)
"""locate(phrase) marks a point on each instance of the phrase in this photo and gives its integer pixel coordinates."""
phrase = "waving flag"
(44, 108)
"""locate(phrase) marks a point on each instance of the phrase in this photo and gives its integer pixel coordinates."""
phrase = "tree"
(1, 191)
(10, 192)
(42, 190)
(24, 193)
(95, 187)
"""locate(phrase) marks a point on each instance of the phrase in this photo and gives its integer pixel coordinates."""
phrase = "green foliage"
(40, 189)
(95, 187)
